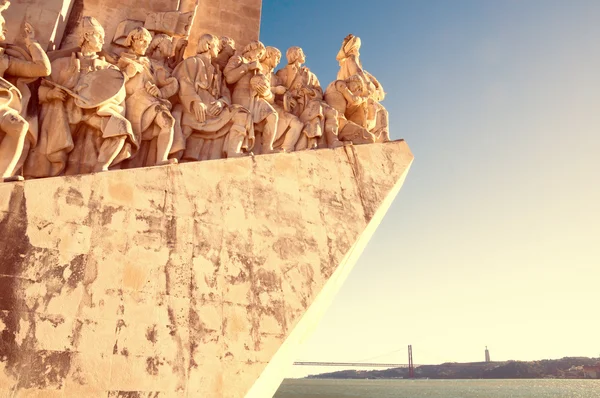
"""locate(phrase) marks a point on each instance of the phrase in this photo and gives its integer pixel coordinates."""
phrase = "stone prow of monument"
(192, 280)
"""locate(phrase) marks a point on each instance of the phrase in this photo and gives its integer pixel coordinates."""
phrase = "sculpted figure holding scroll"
(239, 71)
(375, 117)
(83, 124)
(211, 125)
(304, 99)
(14, 138)
(147, 104)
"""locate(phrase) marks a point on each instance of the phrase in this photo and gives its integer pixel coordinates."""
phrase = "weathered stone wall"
(110, 13)
(48, 17)
(179, 280)
(57, 21)
(238, 19)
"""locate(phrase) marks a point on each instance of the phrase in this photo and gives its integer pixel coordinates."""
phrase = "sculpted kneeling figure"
(147, 105)
(83, 124)
(13, 127)
(346, 96)
(208, 114)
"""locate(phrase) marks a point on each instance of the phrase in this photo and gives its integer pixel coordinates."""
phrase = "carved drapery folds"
(136, 102)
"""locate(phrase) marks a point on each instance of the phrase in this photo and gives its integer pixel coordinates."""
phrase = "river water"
(544, 388)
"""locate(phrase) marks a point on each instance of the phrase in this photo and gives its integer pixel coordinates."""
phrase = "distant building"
(592, 372)
(487, 355)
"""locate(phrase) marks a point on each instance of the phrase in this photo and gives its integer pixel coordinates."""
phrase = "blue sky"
(495, 237)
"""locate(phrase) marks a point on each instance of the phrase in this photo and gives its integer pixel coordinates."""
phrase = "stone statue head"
(355, 84)
(138, 40)
(295, 54)
(92, 35)
(350, 46)
(208, 44)
(227, 45)
(161, 46)
(254, 51)
(272, 57)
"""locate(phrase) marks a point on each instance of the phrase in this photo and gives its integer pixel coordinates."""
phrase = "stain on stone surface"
(46, 370)
(151, 334)
(107, 214)
(133, 394)
(14, 244)
(77, 267)
(74, 197)
(152, 364)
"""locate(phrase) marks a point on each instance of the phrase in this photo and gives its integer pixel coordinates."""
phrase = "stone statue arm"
(352, 99)
(65, 71)
(235, 69)
(169, 86)
(129, 66)
(313, 88)
(39, 67)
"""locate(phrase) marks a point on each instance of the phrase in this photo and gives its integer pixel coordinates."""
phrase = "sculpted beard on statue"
(208, 114)
(147, 104)
(15, 140)
(83, 124)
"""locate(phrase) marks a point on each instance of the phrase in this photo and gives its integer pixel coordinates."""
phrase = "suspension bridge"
(410, 365)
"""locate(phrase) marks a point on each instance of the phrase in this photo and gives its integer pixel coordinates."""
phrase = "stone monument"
(188, 278)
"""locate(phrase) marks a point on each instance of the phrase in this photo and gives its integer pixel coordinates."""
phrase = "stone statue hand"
(199, 111)
(133, 68)
(215, 108)
(279, 90)
(57, 93)
(254, 65)
(153, 90)
(29, 33)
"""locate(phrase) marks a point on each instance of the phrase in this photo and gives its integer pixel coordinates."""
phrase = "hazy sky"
(495, 237)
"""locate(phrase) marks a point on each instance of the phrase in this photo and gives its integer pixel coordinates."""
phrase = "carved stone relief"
(137, 102)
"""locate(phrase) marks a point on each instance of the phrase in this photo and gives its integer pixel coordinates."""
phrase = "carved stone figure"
(148, 90)
(346, 96)
(305, 100)
(239, 71)
(226, 51)
(210, 124)
(289, 127)
(375, 119)
(15, 140)
(83, 124)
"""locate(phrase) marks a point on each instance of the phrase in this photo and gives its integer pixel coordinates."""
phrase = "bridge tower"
(411, 366)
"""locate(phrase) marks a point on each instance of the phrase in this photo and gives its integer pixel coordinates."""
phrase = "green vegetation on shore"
(565, 368)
